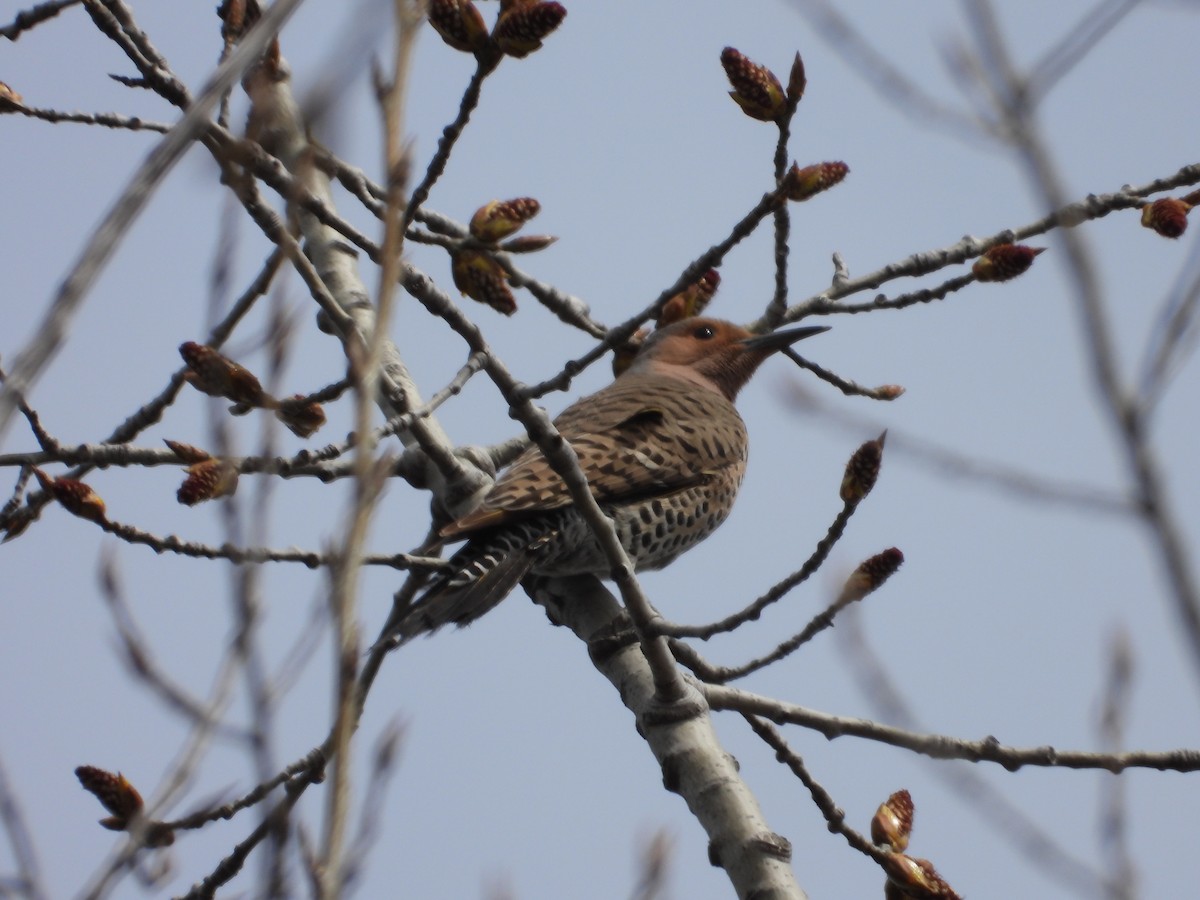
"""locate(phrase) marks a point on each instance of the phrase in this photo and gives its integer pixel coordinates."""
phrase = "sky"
(518, 767)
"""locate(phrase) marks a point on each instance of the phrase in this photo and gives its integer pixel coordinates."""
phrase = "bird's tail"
(481, 574)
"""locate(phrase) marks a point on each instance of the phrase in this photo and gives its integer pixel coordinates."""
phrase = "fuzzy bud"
(75, 497)
(218, 376)
(1167, 216)
(692, 300)
(1005, 262)
(16, 523)
(528, 243)
(114, 792)
(802, 183)
(208, 480)
(122, 799)
(237, 17)
(498, 219)
(916, 879)
(481, 278)
(460, 24)
(893, 821)
(887, 392)
(755, 88)
(870, 575)
(862, 470)
(186, 452)
(521, 27)
(303, 417)
(8, 97)
(797, 81)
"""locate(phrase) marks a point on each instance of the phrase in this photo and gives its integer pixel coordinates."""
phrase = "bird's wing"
(631, 442)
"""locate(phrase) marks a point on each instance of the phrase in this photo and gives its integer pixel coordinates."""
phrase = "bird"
(663, 449)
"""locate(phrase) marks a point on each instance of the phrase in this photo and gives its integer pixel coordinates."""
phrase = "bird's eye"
(704, 333)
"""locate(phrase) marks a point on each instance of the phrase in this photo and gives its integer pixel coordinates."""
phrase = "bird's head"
(712, 353)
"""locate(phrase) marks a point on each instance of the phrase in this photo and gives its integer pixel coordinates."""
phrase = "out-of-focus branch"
(366, 364)
(1174, 339)
(1124, 416)
(277, 118)
(1060, 59)
(1006, 479)
(28, 882)
(1114, 812)
(993, 807)
(888, 80)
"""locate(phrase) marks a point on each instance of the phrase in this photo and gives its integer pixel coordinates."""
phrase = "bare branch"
(938, 746)
(28, 882)
(107, 120)
(34, 16)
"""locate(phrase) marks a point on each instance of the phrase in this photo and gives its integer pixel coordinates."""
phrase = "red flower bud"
(1004, 262)
(217, 376)
(302, 417)
(797, 81)
(800, 184)
(521, 27)
(893, 821)
(755, 88)
(460, 24)
(528, 243)
(862, 470)
(870, 575)
(114, 792)
(917, 879)
(481, 278)
(1167, 216)
(208, 480)
(498, 219)
(692, 300)
(186, 452)
(75, 497)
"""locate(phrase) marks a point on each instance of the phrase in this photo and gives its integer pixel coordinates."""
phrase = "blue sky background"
(519, 766)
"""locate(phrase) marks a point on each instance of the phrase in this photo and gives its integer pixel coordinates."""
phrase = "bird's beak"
(777, 340)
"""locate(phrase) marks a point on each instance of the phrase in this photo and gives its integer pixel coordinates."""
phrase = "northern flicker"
(664, 451)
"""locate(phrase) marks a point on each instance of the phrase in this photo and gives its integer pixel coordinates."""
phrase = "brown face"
(688, 342)
(711, 353)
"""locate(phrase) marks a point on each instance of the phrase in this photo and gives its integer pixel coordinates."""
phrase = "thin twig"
(1066, 216)
(35, 15)
(618, 334)
(107, 120)
(752, 612)
(834, 815)
(940, 746)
